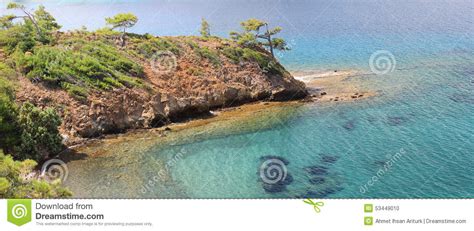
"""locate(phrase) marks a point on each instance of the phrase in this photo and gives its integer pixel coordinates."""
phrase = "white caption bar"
(242, 215)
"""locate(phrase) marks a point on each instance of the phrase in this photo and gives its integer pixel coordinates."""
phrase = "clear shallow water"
(424, 107)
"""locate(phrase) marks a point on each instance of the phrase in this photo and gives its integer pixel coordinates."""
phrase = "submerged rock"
(380, 163)
(317, 180)
(462, 98)
(396, 120)
(317, 170)
(329, 159)
(288, 180)
(274, 188)
(349, 125)
(372, 119)
(279, 186)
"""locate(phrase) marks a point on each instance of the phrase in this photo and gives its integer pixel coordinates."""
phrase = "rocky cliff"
(203, 75)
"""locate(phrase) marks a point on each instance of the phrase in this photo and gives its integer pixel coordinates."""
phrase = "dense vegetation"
(26, 131)
(145, 46)
(39, 132)
(34, 28)
(78, 66)
(15, 181)
(74, 64)
(9, 137)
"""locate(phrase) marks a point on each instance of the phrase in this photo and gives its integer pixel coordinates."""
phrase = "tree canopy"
(205, 30)
(122, 21)
(32, 27)
(43, 22)
(256, 33)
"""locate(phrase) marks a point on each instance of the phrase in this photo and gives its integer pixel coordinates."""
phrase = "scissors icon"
(315, 205)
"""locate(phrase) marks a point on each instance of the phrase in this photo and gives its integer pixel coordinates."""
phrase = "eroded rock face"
(114, 112)
(169, 97)
(103, 113)
(122, 109)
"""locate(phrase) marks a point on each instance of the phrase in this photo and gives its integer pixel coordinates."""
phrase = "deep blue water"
(424, 107)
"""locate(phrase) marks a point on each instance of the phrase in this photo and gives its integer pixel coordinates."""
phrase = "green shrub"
(23, 34)
(28, 132)
(10, 135)
(129, 81)
(19, 37)
(107, 31)
(77, 64)
(212, 56)
(77, 92)
(8, 126)
(48, 64)
(47, 24)
(204, 52)
(39, 133)
(110, 56)
(192, 44)
(233, 53)
(264, 60)
(149, 47)
(252, 55)
(13, 182)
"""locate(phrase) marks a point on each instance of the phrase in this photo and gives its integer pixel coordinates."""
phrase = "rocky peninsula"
(203, 75)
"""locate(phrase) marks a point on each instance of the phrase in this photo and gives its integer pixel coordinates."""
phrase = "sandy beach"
(327, 86)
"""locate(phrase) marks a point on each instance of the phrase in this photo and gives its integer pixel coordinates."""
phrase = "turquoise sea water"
(421, 121)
